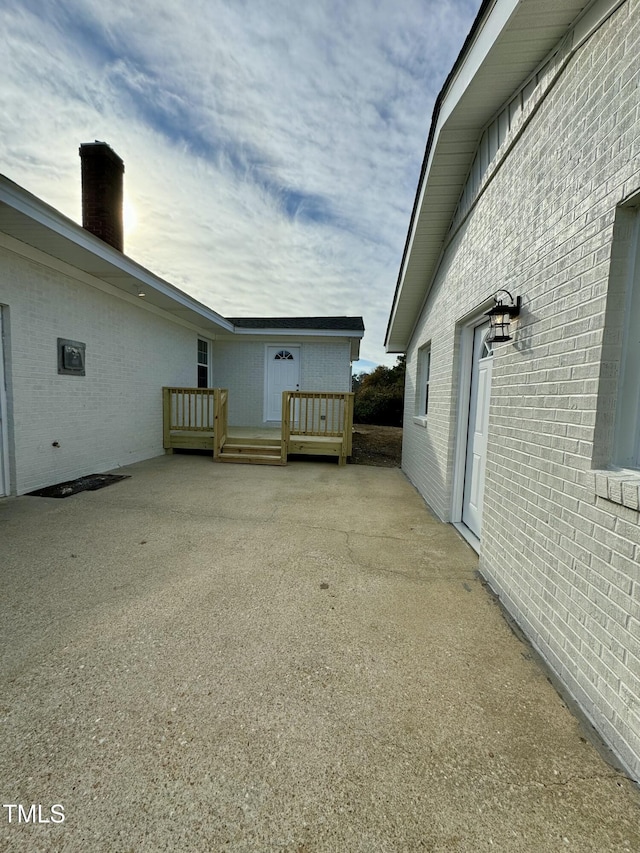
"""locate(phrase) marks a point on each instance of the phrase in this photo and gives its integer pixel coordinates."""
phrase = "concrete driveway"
(241, 658)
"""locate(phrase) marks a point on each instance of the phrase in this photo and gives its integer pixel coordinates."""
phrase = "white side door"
(282, 374)
(477, 431)
(4, 456)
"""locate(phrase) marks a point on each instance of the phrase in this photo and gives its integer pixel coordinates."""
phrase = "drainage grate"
(90, 483)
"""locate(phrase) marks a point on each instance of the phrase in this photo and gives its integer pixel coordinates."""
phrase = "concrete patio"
(236, 658)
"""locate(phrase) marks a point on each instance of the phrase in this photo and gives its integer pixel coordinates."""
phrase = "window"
(203, 364)
(424, 378)
(283, 355)
(616, 440)
(487, 346)
(627, 435)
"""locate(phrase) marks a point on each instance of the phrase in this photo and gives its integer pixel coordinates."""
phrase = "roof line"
(432, 130)
(49, 217)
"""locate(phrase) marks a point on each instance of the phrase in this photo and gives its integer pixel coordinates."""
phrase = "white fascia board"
(298, 333)
(29, 205)
(22, 200)
(495, 21)
(354, 337)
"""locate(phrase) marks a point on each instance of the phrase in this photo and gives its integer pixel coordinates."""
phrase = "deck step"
(253, 441)
(259, 458)
(250, 448)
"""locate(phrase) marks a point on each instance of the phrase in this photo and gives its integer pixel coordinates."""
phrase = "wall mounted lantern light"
(501, 314)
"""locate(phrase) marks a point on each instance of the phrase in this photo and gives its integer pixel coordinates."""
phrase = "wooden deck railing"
(318, 413)
(313, 422)
(194, 411)
(221, 411)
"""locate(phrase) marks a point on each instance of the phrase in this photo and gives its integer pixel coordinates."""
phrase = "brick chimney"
(102, 172)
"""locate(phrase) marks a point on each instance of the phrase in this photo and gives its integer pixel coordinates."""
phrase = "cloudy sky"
(272, 147)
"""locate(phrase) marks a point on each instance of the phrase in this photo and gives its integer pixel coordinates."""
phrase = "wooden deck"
(314, 424)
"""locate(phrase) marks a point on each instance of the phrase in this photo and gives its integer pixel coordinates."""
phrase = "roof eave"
(35, 223)
(293, 332)
(453, 138)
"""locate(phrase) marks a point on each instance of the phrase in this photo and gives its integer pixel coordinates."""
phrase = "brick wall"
(326, 365)
(102, 193)
(565, 560)
(113, 415)
(239, 367)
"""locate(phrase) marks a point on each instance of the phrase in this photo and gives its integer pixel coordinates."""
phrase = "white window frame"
(202, 363)
(423, 384)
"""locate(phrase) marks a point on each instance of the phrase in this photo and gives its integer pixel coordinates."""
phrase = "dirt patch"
(380, 446)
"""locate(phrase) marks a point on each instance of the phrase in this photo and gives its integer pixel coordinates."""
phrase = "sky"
(272, 148)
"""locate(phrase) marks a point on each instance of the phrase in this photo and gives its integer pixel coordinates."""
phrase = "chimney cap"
(104, 148)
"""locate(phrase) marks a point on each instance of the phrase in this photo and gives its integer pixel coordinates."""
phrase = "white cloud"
(272, 149)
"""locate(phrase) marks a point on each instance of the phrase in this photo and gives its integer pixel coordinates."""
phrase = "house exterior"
(90, 337)
(268, 355)
(531, 446)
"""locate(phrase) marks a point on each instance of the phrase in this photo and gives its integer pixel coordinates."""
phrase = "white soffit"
(511, 41)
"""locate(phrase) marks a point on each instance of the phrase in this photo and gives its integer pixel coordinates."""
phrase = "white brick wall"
(239, 365)
(326, 365)
(110, 417)
(565, 560)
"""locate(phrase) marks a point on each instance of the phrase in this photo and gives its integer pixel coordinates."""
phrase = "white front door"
(477, 430)
(282, 374)
(4, 456)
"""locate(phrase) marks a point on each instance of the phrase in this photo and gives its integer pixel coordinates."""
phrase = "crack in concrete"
(592, 777)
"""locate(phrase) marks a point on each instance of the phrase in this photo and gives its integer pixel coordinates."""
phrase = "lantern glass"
(500, 318)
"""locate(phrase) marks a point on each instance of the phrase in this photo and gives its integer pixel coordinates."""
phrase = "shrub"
(379, 395)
